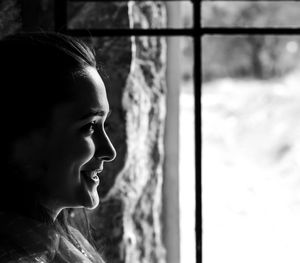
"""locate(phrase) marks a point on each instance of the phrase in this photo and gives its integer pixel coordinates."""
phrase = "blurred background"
(250, 133)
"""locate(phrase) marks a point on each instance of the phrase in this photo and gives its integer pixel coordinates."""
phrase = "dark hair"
(36, 71)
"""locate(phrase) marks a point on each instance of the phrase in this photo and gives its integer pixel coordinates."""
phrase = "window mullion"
(130, 32)
(198, 145)
(251, 30)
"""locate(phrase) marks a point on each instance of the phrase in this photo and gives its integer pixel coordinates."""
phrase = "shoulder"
(75, 232)
(85, 244)
(80, 238)
(11, 252)
(25, 240)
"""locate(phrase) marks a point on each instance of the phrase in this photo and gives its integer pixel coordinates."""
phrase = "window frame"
(195, 32)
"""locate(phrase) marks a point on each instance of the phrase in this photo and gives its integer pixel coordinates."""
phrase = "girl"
(54, 146)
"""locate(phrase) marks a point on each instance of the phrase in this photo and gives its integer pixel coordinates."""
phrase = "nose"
(104, 148)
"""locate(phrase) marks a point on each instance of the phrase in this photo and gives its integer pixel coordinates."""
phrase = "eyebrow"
(93, 113)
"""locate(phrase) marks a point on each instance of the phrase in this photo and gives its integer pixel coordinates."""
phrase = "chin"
(92, 201)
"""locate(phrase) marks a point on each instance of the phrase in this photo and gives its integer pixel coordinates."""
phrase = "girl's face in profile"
(77, 146)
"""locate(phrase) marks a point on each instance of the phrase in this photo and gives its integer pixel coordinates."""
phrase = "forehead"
(87, 93)
(88, 88)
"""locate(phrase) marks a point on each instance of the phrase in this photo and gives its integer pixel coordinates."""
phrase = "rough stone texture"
(146, 14)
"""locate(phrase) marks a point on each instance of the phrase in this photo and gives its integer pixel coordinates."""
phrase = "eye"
(89, 128)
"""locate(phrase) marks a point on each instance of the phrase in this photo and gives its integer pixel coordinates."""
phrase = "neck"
(52, 209)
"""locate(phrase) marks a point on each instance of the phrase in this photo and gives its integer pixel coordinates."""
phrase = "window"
(250, 98)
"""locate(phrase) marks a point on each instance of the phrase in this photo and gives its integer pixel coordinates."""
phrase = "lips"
(91, 176)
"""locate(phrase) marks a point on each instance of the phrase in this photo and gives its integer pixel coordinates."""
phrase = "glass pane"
(94, 15)
(186, 9)
(186, 153)
(250, 14)
(251, 147)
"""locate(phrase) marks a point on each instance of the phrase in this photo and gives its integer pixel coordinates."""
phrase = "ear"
(28, 153)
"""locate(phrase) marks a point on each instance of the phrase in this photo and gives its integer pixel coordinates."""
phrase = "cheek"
(84, 150)
(70, 154)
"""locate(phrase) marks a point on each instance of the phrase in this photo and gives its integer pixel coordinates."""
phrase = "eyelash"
(89, 128)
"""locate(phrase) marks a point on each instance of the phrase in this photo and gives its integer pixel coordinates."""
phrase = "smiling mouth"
(91, 177)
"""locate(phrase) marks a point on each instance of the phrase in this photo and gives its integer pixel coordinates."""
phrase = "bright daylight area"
(251, 136)
(187, 176)
(187, 143)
